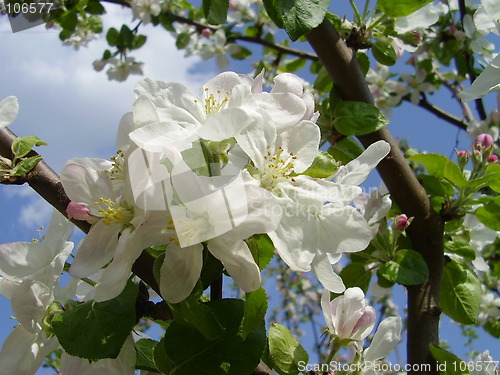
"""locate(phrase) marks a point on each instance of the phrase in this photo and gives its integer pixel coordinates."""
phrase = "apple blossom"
(486, 82)
(9, 108)
(483, 141)
(144, 9)
(348, 317)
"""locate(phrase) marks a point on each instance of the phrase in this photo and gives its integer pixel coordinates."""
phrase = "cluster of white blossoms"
(193, 173)
(211, 171)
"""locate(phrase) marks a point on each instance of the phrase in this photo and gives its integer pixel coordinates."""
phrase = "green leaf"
(255, 311)
(437, 186)
(489, 214)
(191, 353)
(494, 180)
(182, 40)
(460, 247)
(285, 351)
(242, 54)
(363, 61)
(162, 362)
(294, 65)
(407, 268)
(355, 274)
(358, 118)
(384, 52)
(440, 166)
(323, 81)
(216, 11)
(139, 41)
(199, 316)
(97, 330)
(68, 21)
(323, 166)
(273, 12)
(22, 146)
(493, 328)
(346, 149)
(450, 363)
(262, 249)
(112, 36)
(125, 38)
(460, 294)
(26, 165)
(301, 16)
(94, 7)
(401, 8)
(144, 349)
(383, 281)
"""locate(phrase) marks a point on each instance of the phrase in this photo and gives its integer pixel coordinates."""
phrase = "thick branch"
(47, 184)
(426, 230)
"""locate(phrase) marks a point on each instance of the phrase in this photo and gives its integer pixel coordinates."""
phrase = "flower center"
(114, 213)
(191, 229)
(214, 102)
(117, 171)
(277, 168)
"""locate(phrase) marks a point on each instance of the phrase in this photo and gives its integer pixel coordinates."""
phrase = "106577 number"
(28, 8)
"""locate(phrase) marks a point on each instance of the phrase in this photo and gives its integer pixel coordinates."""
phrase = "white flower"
(484, 365)
(487, 17)
(123, 364)
(348, 317)
(488, 81)
(384, 341)
(480, 236)
(241, 11)
(478, 43)
(421, 19)
(144, 9)
(373, 207)
(9, 108)
(219, 48)
(416, 84)
(121, 69)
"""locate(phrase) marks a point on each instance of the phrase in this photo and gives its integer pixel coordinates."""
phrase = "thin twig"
(442, 114)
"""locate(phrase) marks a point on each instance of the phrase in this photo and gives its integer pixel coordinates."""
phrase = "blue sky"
(77, 110)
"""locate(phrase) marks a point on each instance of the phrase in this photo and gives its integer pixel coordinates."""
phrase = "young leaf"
(323, 166)
(216, 11)
(489, 214)
(384, 52)
(460, 294)
(255, 311)
(358, 118)
(262, 249)
(401, 8)
(285, 351)
(460, 247)
(407, 268)
(112, 36)
(97, 330)
(494, 181)
(22, 146)
(440, 166)
(191, 353)
(346, 150)
(26, 165)
(301, 16)
(144, 349)
(355, 274)
(450, 362)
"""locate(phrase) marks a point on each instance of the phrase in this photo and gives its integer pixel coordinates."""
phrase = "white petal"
(422, 18)
(180, 271)
(157, 136)
(7, 287)
(303, 141)
(23, 352)
(486, 82)
(29, 304)
(95, 250)
(127, 125)
(224, 81)
(9, 108)
(357, 170)
(385, 339)
(342, 229)
(323, 270)
(325, 307)
(226, 124)
(285, 109)
(59, 231)
(288, 83)
(238, 261)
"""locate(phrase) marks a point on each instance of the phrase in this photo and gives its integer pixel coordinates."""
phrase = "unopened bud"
(483, 141)
(78, 211)
(401, 222)
(206, 32)
(99, 65)
(411, 38)
(492, 159)
(463, 158)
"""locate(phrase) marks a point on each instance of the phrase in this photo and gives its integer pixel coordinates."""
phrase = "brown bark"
(426, 230)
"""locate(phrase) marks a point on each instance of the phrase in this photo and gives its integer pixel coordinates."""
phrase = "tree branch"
(424, 103)
(426, 230)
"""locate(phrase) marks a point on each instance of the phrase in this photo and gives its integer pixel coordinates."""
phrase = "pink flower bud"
(207, 33)
(492, 158)
(78, 211)
(483, 141)
(401, 222)
(463, 158)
